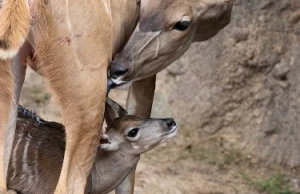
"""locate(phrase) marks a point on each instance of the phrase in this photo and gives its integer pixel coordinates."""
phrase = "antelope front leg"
(73, 46)
(12, 74)
(14, 26)
(6, 104)
(139, 102)
(82, 103)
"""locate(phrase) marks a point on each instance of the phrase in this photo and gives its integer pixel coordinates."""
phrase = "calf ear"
(112, 111)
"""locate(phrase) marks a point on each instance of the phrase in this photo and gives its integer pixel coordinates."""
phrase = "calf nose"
(116, 71)
(170, 123)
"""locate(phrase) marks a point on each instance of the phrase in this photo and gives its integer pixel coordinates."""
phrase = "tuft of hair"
(29, 115)
(14, 26)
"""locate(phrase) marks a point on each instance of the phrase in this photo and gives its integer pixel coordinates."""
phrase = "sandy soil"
(187, 164)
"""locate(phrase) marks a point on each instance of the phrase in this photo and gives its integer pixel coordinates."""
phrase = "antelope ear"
(109, 146)
(112, 111)
(211, 18)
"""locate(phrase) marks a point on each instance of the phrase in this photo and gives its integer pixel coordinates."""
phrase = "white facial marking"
(173, 128)
(135, 146)
(113, 146)
(172, 133)
(186, 18)
(122, 85)
(118, 81)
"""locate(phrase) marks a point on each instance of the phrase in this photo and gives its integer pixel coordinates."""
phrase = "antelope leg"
(14, 26)
(83, 116)
(73, 55)
(11, 85)
(7, 106)
(139, 102)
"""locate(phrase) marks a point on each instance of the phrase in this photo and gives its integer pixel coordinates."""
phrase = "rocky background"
(245, 79)
(236, 99)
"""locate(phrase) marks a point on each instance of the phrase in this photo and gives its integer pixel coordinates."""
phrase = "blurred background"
(236, 99)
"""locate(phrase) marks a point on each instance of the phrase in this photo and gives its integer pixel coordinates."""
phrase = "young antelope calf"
(39, 145)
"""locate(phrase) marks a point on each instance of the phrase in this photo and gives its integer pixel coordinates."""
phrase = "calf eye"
(183, 25)
(133, 132)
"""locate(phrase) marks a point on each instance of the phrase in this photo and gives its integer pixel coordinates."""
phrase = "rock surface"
(246, 79)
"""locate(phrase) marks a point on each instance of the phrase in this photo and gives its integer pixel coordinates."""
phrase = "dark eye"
(133, 132)
(182, 25)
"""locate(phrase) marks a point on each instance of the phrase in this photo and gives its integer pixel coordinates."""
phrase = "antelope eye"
(133, 132)
(183, 25)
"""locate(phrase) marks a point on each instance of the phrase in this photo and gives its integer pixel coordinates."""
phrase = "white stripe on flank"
(68, 17)
(15, 156)
(25, 161)
(107, 7)
(36, 162)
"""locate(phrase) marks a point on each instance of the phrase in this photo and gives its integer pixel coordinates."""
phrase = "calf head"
(135, 134)
(165, 31)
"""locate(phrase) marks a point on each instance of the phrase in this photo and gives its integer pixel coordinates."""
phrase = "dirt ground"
(190, 163)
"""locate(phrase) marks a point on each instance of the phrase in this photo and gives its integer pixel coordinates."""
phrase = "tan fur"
(14, 26)
(73, 54)
(6, 99)
(77, 75)
(156, 42)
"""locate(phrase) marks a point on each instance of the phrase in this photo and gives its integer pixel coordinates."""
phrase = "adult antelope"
(65, 48)
(70, 43)
(165, 31)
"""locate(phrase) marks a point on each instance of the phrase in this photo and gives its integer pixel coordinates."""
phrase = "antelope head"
(165, 31)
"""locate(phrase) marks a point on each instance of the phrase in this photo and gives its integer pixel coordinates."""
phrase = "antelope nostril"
(116, 71)
(171, 123)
